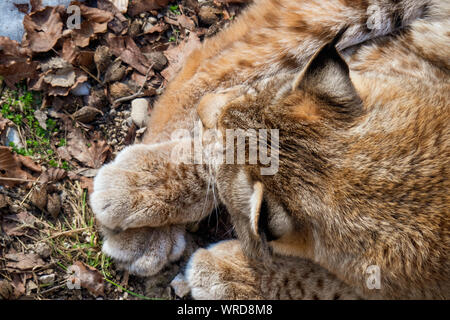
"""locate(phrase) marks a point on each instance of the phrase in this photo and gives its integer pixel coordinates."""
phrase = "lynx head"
(309, 110)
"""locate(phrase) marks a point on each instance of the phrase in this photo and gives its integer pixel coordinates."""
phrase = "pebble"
(139, 111)
(147, 27)
(12, 135)
(47, 279)
(43, 250)
(152, 19)
(82, 89)
(180, 285)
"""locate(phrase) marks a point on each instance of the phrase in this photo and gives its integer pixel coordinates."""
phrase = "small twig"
(53, 288)
(16, 179)
(31, 190)
(94, 77)
(137, 94)
(65, 233)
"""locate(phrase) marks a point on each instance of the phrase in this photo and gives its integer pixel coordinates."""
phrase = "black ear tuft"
(327, 77)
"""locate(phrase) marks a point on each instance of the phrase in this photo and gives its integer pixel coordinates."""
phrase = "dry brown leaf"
(15, 64)
(94, 155)
(36, 5)
(75, 56)
(88, 277)
(54, 204)
(115, 72)
(58, 77)
(94, 14)
(126, 49)
(86, 114)
(138, 6)
(160, 27)
(6, 290)
(39, 196)
(13, 229)
(53, 174)
(27, 162)
(63, 153)
(23, 261)
(102, 58)
(118, 90)
(18, 282)
(4, 123)
(119, 23)
(185, 22)
(87, 183)
(88, 30)
(43, 29)
(22, 7)
(17, 224)
(10, 169)
(177, 55)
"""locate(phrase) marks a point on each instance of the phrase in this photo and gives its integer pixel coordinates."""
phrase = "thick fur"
(368, 186)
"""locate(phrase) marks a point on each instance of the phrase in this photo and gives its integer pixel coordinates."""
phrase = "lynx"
(363, 156)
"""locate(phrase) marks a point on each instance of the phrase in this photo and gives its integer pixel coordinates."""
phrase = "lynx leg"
(223, 272)
(144, 186)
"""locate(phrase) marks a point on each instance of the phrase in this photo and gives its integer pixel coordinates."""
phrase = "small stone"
(147, 27)
(152, 20)
(43, 250)
(180, 286)
(129, 121)
(208, 15)
(47, 279)
(12, 135)
(82, 89)
(158, 59)
(139, 111)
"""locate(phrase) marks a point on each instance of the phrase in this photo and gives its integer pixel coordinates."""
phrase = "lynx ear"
(327, 77)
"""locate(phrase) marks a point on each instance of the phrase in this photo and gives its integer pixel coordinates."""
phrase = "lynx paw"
(145, 251)
(142, 187)
(221, 272)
